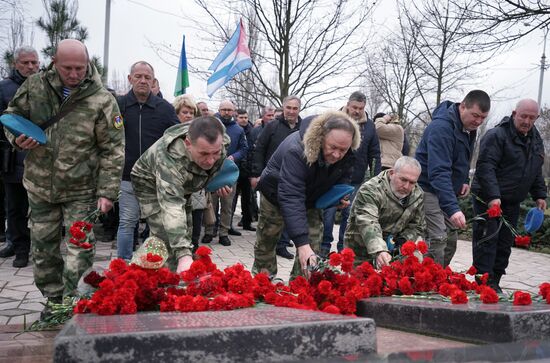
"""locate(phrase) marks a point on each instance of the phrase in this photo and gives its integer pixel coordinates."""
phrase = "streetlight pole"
(542, 67)
(106, 42)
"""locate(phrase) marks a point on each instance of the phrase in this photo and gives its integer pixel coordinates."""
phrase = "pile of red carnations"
(334, 288)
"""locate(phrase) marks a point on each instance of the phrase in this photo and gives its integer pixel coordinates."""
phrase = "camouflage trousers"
(226, 212)
(52, 276)
(157, 229)
(268, 232)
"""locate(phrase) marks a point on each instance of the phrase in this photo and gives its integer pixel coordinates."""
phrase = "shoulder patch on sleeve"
(118, 122)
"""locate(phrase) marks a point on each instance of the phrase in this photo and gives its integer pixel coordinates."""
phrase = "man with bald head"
(77, 171)
(236, 151)
(509, 167)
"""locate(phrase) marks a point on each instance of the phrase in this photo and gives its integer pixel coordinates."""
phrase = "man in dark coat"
(367, 160)
(146, 117)
(19, 243)
(270, 138)
(444, 152)
(509, 168)
(304, 167)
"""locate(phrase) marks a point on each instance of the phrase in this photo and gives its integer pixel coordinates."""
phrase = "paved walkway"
(21, 302)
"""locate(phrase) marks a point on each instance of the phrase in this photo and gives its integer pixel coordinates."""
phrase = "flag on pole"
(182, 81)
(234, 58)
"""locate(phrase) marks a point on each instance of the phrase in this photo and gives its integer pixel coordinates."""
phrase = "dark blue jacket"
(368, 153)
(144, 124)
(8, 88)
(269, 140)
(238, 146)
(246, 161)
(293, 185)
(444, 152)
(510, 164)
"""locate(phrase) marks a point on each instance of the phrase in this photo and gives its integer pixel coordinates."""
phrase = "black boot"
(494, 283)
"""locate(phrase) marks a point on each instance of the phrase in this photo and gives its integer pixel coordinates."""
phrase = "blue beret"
(226, 176)
(534, 220)
(18, 125)
(333, 196)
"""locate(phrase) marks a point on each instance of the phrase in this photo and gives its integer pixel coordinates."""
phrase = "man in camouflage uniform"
(77, 171)
(164, 177)
(390, 204)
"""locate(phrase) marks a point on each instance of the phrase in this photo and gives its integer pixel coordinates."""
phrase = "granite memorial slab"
(265, 333)
(526, 351)
(474, 321)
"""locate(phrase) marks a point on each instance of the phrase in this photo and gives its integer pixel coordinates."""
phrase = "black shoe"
(283, 252)
(232, 232)
(7, 251)
(249, 228)
(225, 241)
(494, 283)
(207, 238)
(240, 224)
(21, 261)
(3, 237)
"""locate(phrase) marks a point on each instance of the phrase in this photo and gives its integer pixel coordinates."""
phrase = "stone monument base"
(266, 334)
(474, 321)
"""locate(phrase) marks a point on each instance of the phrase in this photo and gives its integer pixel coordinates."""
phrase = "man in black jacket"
(146, 117)
(304, 167)
(367, 165)
(25, 63)
(509, 167)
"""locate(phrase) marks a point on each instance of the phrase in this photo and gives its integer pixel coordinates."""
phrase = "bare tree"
(444, 63)
(119, 82)
(305, 47)
(503, 22)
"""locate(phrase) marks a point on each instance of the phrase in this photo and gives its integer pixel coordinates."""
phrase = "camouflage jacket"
(376, 213)
(164, 178)
(84, 154)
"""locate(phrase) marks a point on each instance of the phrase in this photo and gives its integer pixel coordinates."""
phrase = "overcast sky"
(136, 22)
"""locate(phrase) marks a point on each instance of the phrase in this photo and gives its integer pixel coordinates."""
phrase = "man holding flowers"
(509, 168)
(444, 152)
(388, 206)
(77, 170)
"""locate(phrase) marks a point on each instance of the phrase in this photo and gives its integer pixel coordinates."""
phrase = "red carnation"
(405, 286)
(522, 298)
(86, 245)
(74, 241)
(459, 297)
(324, 287)
(488, 295)
(422, 247)
(522, 241)
(93, 279)
(77, 233)
(544, 289)
(335, 259)
(203, 251)
(471, 271)
(331, 309)
(494, 211)
(408, 248)
(151, 257)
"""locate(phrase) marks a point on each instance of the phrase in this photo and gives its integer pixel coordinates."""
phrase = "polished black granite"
(474, 321)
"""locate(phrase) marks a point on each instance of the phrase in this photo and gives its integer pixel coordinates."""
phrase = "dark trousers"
(244, 188)
(197, 225)
(3, 209)
(491, 254)
(17, 208)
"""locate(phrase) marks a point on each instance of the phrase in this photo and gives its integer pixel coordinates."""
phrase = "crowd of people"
(137, 157)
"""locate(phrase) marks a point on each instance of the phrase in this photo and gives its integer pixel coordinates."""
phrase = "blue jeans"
(129, 217)
(329, 215)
